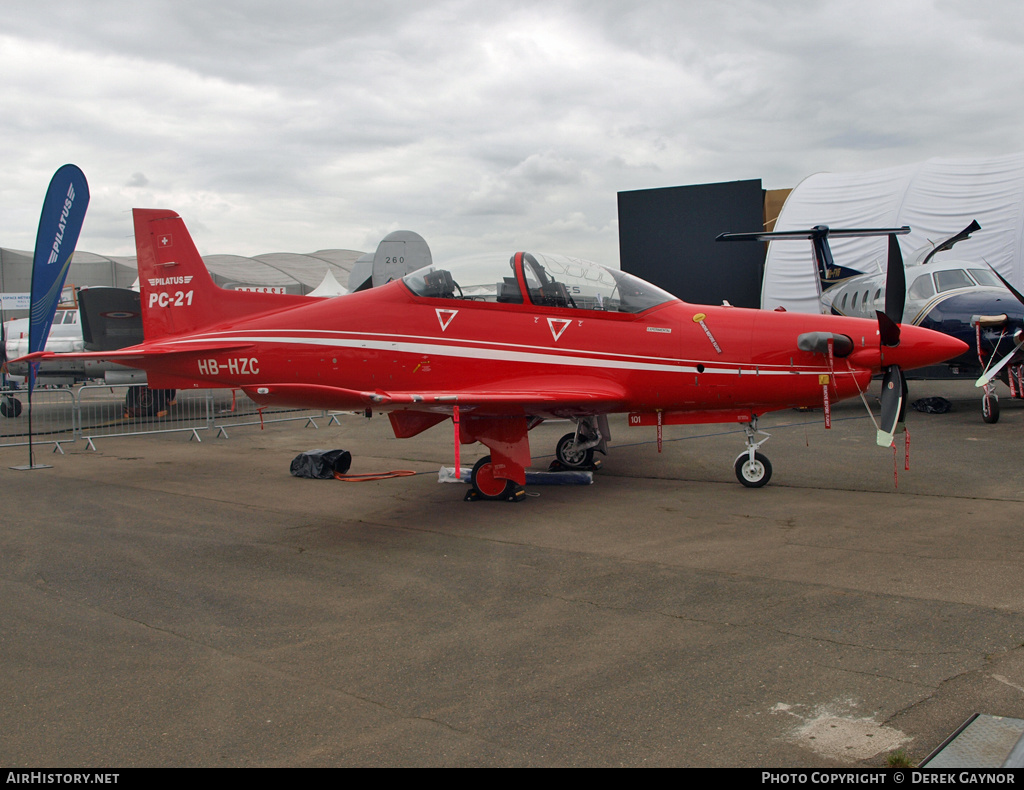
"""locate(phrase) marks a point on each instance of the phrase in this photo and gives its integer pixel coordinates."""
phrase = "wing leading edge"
(506, 400)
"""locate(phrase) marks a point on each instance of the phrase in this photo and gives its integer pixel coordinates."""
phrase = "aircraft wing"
(575, 398)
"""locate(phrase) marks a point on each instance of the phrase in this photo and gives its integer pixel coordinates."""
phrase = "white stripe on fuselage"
(412, 344)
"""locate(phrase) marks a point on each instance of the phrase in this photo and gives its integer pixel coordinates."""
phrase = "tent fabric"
(936, 198)
(328, 287)
(299, 273)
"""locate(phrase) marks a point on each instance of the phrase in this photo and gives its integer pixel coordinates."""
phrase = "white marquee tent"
(937, 199)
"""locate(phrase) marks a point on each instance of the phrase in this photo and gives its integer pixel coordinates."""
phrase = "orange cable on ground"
(365, 478)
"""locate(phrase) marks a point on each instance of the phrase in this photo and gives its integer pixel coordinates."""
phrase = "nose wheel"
(990, 406)
(753, 469)
(753, 472)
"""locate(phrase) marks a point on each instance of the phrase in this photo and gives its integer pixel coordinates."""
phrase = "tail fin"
(178, 294)
(829, 273)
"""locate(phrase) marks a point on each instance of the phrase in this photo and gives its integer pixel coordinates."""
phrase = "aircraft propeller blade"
(894, 394)
(895, 295)
(894, 386)
(1010, 288)
(888, 330)
(993, 371)
(948, 243)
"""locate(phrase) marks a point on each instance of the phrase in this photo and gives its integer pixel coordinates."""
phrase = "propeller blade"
(948, 243)
(888, 330)
(993, 371)
(1005, 282)
(894, 393)
(895, 282)
(895, 296)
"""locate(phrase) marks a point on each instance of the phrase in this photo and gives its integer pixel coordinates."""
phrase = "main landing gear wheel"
(10, 406)
(753, 473)
(990, 408)
(486, 485)
(569, 456)
(141, 401)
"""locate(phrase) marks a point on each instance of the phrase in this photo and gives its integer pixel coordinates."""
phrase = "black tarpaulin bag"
(932, 405)
(321, 464)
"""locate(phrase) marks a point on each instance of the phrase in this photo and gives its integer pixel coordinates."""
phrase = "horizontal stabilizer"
(126, 356)
(828, 272)
(813, 233)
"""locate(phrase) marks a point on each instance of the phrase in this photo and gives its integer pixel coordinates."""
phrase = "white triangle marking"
(564, 322)
(445, 317)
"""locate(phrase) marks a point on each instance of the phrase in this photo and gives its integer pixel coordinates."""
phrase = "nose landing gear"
(753, 469)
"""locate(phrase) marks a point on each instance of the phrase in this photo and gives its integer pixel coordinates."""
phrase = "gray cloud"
(305, 125)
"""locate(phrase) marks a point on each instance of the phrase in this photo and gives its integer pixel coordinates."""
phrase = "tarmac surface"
(165, 602)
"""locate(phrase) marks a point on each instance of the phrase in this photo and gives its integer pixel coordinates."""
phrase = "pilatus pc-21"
(507, 345)
(957, 296)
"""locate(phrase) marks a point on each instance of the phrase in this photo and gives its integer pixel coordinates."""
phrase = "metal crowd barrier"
(53, 418)
(96, 411)
(106, 412)
(233, 409)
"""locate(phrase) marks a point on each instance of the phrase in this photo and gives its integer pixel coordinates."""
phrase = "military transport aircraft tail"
(178, 294)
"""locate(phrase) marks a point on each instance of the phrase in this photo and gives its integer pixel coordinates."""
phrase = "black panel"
(667, 237)
(111, 318)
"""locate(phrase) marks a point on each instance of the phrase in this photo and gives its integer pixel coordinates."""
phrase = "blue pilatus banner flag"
(59, 226)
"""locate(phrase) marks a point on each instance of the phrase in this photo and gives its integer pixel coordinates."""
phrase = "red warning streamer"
(455, 419)
(825, 381)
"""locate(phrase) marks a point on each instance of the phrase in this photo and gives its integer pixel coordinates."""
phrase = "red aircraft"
(504, 346)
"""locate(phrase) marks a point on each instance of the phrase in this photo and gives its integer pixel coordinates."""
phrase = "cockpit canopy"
(945, 279)
(548, 281)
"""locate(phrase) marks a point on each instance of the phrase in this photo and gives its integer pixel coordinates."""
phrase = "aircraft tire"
(10, 407)
(138, 401)
(753, 474)
(989, 409)
(141, 401)
(570, 459)
(486, 485)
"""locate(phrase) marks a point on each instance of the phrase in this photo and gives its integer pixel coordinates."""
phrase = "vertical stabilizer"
(178, 294)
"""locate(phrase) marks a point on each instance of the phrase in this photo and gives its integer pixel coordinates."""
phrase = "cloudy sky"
(302, 125)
